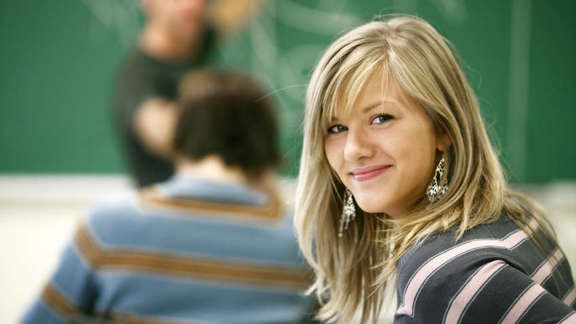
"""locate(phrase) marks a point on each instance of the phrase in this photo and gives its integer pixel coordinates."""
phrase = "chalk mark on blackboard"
(121, 16)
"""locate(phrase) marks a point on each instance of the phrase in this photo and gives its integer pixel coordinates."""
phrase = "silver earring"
(348, 212)
(439, 185)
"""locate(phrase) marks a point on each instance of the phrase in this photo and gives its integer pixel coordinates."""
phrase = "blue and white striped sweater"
(165, 256)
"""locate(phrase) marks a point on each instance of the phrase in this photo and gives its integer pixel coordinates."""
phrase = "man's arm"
(71, 290)
(154, 125)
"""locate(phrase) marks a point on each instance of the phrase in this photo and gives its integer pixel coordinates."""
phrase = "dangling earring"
(348, 212)
(439, 185)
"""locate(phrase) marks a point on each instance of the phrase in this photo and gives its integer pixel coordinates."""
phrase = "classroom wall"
(59, 58)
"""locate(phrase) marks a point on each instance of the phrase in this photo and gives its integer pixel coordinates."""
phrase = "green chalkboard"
(59, 58)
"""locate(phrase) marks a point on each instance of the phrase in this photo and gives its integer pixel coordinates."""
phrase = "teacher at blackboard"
(178, 35)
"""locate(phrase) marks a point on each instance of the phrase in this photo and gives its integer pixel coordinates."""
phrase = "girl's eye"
(381, 118)
(337, 129)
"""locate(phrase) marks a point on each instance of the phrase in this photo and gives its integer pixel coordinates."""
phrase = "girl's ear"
(443, 142)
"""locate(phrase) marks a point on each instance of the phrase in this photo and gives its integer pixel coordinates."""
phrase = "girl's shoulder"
(440, 248)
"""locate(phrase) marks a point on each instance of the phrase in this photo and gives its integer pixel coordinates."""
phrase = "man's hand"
(154, 125)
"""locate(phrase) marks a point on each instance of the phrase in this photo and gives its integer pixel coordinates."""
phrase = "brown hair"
(227, 114)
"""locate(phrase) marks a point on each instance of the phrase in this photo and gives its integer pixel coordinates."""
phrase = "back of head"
(228, 115)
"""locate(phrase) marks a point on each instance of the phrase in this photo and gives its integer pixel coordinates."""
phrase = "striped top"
(493, 274)
(186, 251)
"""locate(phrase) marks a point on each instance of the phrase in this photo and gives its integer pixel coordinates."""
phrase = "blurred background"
(59, 152)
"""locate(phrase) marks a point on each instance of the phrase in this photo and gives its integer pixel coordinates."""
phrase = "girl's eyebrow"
(377, 104)
(368, 108)
(371, 107)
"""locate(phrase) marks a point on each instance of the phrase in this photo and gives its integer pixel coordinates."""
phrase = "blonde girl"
(400, 187)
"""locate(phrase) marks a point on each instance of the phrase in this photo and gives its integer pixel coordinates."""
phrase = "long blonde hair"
(353, 271)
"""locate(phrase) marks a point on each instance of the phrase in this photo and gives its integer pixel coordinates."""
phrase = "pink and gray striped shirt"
(494, 274)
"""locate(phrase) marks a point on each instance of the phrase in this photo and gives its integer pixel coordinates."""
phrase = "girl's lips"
(367, 173)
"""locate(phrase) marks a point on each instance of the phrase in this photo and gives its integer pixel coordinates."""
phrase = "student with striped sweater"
(211, 245)
(400, 187)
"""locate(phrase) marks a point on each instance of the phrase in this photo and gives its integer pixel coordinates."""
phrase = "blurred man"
(211, 245)
(178, 36)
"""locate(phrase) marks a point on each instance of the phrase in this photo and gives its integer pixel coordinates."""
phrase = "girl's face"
(385, 150)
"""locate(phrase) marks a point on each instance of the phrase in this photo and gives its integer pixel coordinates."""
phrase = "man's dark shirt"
(143, 77)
